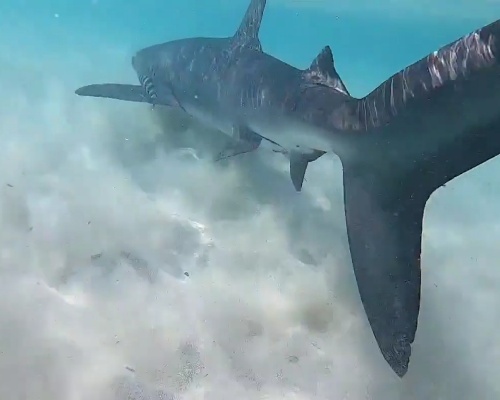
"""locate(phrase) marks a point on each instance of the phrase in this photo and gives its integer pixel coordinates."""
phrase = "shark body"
(422, 127)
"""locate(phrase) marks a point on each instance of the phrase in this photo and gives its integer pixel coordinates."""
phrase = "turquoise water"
(105, 206)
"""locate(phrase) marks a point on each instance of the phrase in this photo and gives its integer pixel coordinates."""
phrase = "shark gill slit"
(149, 88)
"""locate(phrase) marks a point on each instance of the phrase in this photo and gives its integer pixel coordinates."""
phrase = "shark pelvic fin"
(248, 33)
(322, 72)
(298, 165)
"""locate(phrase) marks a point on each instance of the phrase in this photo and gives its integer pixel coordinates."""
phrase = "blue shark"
(425, 125)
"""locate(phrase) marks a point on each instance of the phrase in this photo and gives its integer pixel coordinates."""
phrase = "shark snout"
(138, 62)
(142, 63)
(134, 62)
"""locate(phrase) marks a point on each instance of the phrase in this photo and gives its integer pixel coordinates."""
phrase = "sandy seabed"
(134, 267)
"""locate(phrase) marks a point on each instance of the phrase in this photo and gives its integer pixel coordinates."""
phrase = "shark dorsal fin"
(248, 32)
(322, 72)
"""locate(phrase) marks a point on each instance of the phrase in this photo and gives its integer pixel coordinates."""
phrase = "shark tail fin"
(384, 221)
(248, 31)
(384, 211)
(387, 182)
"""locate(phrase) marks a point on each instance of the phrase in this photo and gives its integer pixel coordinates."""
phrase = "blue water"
(293, 34)
(103, 211)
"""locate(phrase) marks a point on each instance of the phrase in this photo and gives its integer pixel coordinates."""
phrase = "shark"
(427, 124)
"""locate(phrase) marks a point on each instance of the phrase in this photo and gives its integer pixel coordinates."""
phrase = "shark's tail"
(384, 231)
(455, 94)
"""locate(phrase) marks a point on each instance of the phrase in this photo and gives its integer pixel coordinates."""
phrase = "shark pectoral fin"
(135, 93)
(114, 91)
(237, 147)
(298, 165)
(384, 226)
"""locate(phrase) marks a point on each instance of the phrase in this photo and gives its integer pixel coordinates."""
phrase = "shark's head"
(162, 67)
(150, 58)
(151, 62)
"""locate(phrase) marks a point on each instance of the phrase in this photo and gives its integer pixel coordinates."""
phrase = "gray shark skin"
(422, 127)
